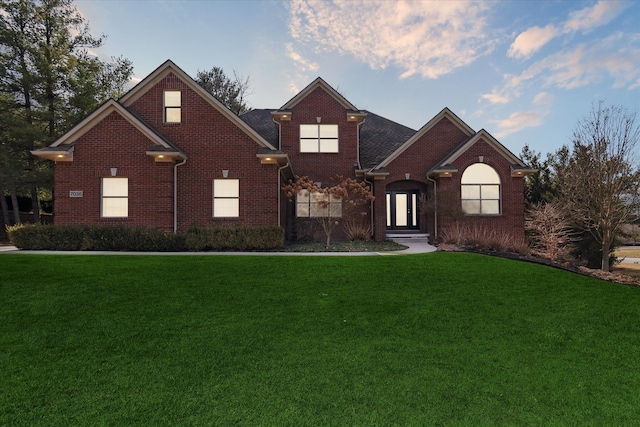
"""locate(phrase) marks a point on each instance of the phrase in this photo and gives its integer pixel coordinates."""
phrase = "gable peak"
(319, 82)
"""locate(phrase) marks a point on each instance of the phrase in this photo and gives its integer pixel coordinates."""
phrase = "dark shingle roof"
(262, 122)
(379, 137)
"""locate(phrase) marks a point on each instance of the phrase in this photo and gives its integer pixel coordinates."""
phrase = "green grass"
(435, 339)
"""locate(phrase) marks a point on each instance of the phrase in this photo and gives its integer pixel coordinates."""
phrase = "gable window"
(480, 190)
(226, 198)
(172, 110)
(115, 197)
(318, 138)
(314, 205)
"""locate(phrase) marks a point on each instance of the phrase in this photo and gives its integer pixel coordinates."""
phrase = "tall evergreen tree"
(43, 48)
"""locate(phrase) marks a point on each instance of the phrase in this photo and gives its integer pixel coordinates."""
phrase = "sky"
(525, 71)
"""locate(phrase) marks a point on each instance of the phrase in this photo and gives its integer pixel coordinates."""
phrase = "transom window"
(480, 190)
(226, 198)
(318, 138)
(313, 205)
(115, 197)
(172, 106)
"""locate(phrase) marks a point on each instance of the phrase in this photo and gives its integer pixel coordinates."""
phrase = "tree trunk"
(16, 208)
(35, 204)
(606, 247)
(5, 208)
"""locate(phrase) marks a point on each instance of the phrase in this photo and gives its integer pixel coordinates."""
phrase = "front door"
(402, 210)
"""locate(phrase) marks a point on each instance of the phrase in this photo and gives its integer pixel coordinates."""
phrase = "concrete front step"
(412, 236)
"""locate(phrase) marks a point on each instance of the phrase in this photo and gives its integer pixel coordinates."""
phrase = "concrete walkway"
(414, 246)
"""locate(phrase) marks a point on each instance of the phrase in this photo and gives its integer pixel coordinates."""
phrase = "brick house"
(168, 155)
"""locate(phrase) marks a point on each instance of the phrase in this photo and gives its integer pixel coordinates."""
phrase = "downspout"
(280, 172)
(371, 204)
(435, 207)
(280, 192)
(358, 143)
(175, 195)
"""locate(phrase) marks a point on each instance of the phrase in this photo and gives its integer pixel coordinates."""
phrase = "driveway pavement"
(414, 246)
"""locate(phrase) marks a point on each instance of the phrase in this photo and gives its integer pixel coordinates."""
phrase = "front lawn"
(434, 339)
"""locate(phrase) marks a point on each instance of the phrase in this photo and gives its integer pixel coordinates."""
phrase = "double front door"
(402, 210)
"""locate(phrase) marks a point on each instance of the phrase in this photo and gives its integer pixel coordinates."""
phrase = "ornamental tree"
(330, 205)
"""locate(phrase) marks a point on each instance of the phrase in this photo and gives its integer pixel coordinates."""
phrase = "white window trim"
(103, 197)
(480, 199)
(226, 197)
(318, 139)
(167, 106)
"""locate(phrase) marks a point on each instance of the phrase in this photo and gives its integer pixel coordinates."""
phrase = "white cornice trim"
(319, 83)
(445, 113)
(100, 114)
(489, 139)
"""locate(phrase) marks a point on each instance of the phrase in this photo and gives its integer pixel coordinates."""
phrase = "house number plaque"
(75, 193)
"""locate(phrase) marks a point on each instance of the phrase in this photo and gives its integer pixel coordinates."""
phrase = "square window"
(319, 138)
(313, 205)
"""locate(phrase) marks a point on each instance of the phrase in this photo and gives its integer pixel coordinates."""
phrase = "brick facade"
(209, 140)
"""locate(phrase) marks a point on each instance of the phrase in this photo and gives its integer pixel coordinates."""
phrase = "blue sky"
(525, 71)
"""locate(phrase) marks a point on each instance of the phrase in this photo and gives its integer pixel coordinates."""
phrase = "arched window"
(480, 190)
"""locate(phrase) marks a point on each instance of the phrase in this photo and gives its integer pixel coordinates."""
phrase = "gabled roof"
(445, 113)
(518, 167)
(161, 144)
(319, 83)
(169, 67)
(489, 139)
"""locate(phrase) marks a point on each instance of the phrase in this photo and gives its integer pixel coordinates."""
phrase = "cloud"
(533, 39)
(615, 57)
(589, 18)
(530, 41)
(301, 62)
(519, 121)
(495, 98)
(543, 98)
(429, 39)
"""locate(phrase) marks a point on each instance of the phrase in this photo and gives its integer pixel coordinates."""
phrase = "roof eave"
(56, 154)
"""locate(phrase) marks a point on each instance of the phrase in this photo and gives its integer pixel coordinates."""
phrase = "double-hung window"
(226, 198)
(115, 197)
(318, 138)
(480, 190)
(172, 106)
(314, 205)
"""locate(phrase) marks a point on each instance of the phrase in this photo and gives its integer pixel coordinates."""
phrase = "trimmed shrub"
(239, 238)
(118, 238)
(46, 237)
(108, 238)
(99, 238)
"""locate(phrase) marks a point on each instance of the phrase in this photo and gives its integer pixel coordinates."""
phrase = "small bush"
(359, 229)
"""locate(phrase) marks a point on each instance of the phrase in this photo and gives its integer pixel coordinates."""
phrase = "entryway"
(402, 210)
